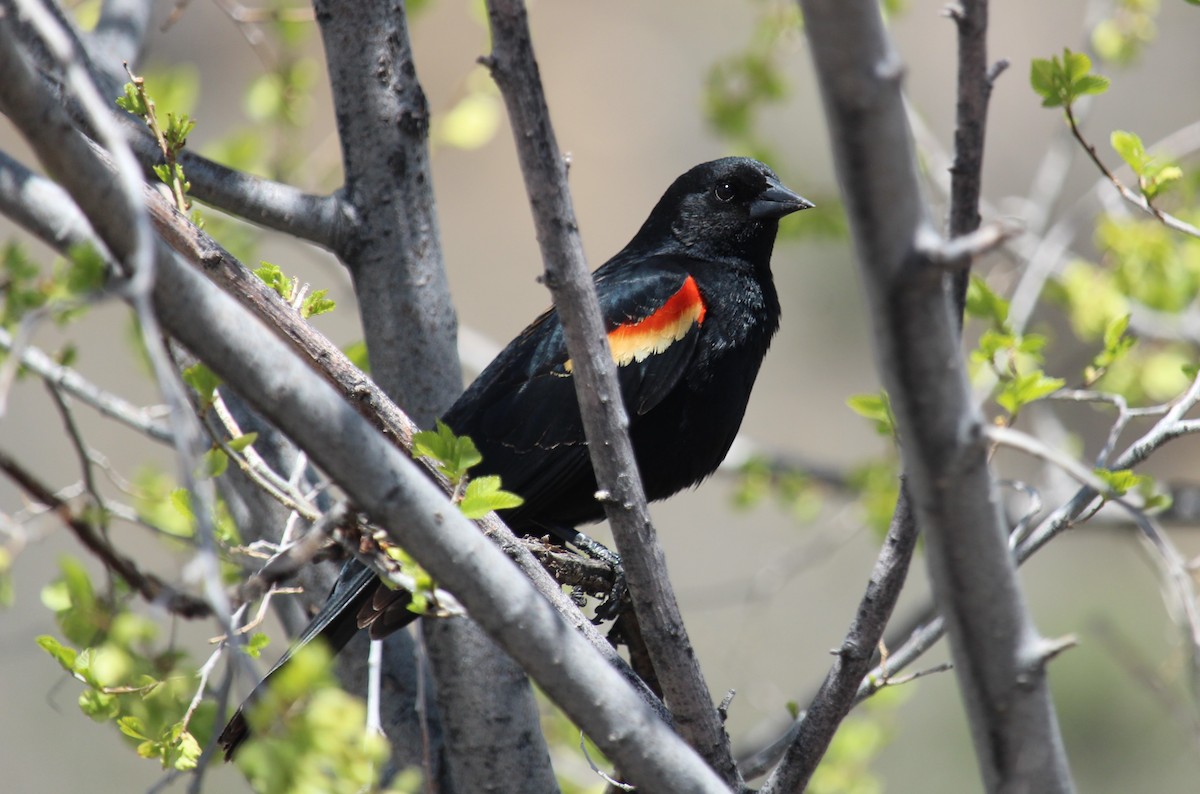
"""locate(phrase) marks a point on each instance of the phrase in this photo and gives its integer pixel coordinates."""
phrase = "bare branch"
(514, 67)
(1012, 719)
(111, 405)
(806, 742)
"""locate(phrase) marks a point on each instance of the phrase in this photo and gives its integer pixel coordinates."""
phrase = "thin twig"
(72, 382)
(1135, 198)
(152, 588)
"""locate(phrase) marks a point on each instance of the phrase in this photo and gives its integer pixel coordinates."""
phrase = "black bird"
(690, 309)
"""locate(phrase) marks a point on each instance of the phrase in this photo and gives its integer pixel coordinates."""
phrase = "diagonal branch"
(149, 586)
(514, 67)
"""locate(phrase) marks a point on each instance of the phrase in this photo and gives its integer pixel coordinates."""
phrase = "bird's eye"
(724, 192)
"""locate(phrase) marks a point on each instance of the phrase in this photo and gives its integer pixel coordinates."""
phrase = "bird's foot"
(618, 595)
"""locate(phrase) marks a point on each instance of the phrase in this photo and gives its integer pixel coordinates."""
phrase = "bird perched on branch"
(690, 309)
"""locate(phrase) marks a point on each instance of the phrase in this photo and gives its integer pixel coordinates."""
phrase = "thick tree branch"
(809, 737)
(1013, 725)
(392, 249)
(515, 70)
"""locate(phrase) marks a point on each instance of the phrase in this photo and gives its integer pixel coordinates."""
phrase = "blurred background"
(767, 592)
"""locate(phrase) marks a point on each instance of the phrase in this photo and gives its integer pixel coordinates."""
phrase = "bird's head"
(726, 207)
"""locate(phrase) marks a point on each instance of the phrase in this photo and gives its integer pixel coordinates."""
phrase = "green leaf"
(483, 495)
(204, 381)
(243, 441)
(1131, 149)
(62, 654)
(86, 270)
(876, 408)
(315, 304)
(132, 101)
(213, 464)
(133, 728)
(1090, 84)
(274, 278)
(985, 304)
(257, 642)
(1120, 481)
(179, 127)
(453, 454)
(1024, 389)
(1060, 82)
(100, 706)
(1116, 345)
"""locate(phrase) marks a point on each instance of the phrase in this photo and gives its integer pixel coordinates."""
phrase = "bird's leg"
(615, 601)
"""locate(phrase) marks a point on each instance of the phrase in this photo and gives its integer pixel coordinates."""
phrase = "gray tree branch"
(514, 67)
(391, 245)
(999, 657)
(393, 251)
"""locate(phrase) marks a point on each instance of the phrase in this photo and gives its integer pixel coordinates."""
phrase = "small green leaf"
(213, 464)
(257, 642)
(453, 454)
(1090, 84)
(1120, 481)
(316, 303)
(1024, 389)
(132, 101)
(877, 408)
(1061, 82)
(204, 381)
(274, 278)
(182, 751)
(1131, 149)
(86, 270)
(483, 495)
(62, 654)
(177, 131)
(100, 706)
(985, 304)
(240, 443)
(132, 727)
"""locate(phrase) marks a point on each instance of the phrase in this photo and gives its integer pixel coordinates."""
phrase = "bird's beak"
(777, 201)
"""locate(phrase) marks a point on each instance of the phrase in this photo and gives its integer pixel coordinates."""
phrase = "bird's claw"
(618, 595)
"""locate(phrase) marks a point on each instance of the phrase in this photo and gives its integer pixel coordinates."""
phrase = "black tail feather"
(335, 625)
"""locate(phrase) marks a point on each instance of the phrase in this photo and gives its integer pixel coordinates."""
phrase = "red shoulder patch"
(654, 334)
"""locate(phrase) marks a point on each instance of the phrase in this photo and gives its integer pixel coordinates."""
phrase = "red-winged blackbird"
(690, 310)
